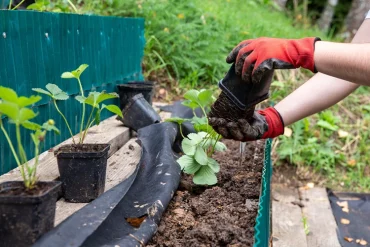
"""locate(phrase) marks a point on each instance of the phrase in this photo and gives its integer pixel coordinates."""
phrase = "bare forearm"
(317, 94)
(321, 91)
(345, 61)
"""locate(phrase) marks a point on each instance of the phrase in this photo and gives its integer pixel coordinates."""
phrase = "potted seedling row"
(82, 166)
(27, 208)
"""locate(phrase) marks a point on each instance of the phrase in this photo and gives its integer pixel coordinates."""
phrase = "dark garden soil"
(20, 190)
(81, 148)
(220, 215)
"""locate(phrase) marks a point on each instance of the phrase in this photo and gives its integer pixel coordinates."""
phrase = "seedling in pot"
(27, 208)
(82, 167)
(199, 147)
(94, 99)
(18, 113)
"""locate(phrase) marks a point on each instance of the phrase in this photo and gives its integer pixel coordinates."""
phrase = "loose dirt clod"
(222, 215)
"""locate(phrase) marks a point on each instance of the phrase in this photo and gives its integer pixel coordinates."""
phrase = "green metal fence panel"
(262, 228)
(36, 48)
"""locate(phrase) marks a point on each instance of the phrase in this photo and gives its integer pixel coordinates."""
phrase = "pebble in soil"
(220, 215)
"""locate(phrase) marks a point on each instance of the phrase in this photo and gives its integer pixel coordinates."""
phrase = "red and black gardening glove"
(265, 124)
(254, 57)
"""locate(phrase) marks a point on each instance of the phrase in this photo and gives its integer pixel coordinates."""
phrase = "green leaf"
(50, 127)
(92, 98)
(105, 96)
(31, 125)
(61, 96)
(114, 109)
(205, 175)
(192, 168)
(190, 104)
(40, 90)
(220, 146)
(53, 89)
(205, 98)
(188, 146)
(201, 156)
(77, 73)
(10, 110)
(185, 161)
(24, 101)
(326, 125)
(213, 164)
(176, 120)
(80, 99)
(26, 114)
(8, 94)
(192, 95)
(68, 75)
(199, 120)
(195, 138)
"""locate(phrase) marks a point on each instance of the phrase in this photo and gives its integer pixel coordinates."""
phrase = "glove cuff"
(274, 122)
(306, 49)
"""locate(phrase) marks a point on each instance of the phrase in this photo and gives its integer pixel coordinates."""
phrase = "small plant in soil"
(27, 208)
(199, 147)
(94, 99)
(18, 112)
(82, 167)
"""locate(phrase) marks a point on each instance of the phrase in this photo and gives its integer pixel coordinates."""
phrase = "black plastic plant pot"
(82, 170)
(24, 217)
(129, 90)
(138, 113)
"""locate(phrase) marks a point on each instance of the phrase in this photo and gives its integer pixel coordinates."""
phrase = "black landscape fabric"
(129, 213)
(358, 215)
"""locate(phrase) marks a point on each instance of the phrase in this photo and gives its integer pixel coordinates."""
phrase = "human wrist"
(274, 122)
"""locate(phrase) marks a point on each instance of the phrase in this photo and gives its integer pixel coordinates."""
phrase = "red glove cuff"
(274, 121)
(304, 50)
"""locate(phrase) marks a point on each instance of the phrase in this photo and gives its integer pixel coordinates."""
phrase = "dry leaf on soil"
(363, 242)
(288, 132)
(344, 221)
(351, 163)
(348, 239)
(342, 134)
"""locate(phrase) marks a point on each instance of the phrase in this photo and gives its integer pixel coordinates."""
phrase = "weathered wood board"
(109, 131)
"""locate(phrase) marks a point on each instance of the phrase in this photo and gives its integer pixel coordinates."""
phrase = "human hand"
(254, 57)
(264, 124)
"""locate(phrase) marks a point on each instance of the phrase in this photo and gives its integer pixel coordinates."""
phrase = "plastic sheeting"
(358, 215)
(144, 195)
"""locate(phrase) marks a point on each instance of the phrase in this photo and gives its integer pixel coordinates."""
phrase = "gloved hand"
(265, 124)
(256, 56)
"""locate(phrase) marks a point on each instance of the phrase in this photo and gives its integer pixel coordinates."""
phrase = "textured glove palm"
(265, 124)
(256, 56)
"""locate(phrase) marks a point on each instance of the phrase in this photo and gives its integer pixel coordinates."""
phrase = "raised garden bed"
(220, 215)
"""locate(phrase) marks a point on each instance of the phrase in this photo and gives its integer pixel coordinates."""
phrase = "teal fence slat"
(36, 48)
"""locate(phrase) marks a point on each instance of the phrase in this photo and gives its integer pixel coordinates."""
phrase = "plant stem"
(73, 6)
(65, 120)
(22, 154)
(83, 110)
(19, 4)
(87, 125)
(10, 4)
(214, 145)
(181, 131)
(21, 168)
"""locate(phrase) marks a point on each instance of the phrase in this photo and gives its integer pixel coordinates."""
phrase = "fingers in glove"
(234, 53)
(224, 132)
(214, 121)
(249, 66)
(235, 131)
(248, 131)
